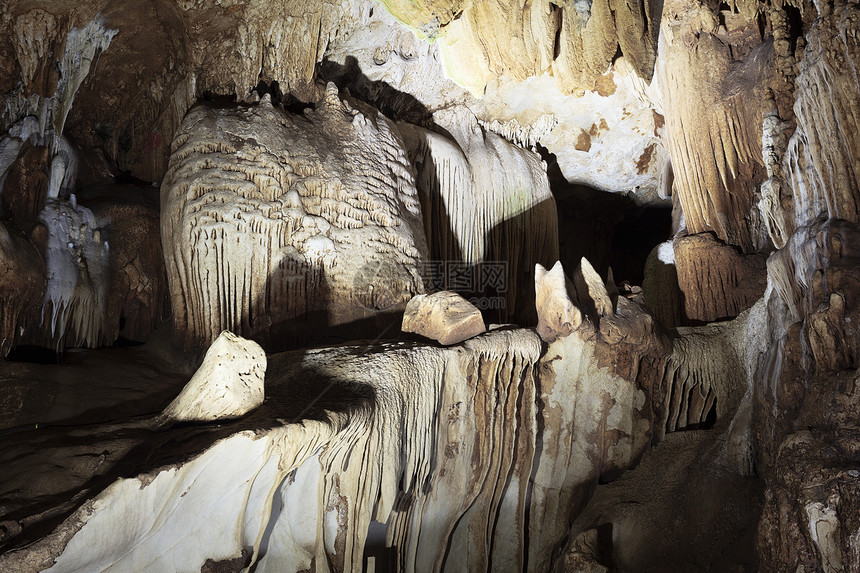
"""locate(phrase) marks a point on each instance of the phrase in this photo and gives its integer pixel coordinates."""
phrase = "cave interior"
(426, 285)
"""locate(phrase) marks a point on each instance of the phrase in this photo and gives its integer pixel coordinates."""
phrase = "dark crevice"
(34, 355)
(556, 50)
(394, 104)
(618, 53)
(795, 25)
(218, 99)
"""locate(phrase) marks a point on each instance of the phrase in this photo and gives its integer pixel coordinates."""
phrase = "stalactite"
(77, 274)
(823, 156)
(486, 201)
(713, 133)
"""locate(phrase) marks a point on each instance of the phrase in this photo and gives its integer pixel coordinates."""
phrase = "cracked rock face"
(269, 216)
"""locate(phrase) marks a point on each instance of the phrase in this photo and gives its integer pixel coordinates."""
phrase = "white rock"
(228, 384)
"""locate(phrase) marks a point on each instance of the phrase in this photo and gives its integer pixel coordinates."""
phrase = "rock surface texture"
(228, 384)
(269, 216)
(443, 316)
(298, 172)
(303, 486)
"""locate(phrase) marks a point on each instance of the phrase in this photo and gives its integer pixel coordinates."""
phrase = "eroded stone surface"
(269, 217)
(715, 280)
(229, 383)
(22, 282)
(443, 316)
(557, 315)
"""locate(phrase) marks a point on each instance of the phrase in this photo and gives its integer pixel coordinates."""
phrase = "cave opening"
(634, 237)
(610, 229)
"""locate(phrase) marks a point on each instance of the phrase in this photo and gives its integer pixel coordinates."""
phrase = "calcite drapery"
(485, 200)
(428, 445)
(713, 74)
(269, 217)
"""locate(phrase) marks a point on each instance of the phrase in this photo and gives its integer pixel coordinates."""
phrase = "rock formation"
(343, 470)
(715, 281)
(23, 284)
(268, 217)
(487, 205)
(228, 384)
(297, 172)
(443, 316)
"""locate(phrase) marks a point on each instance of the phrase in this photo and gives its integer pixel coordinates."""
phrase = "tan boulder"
(443, 316)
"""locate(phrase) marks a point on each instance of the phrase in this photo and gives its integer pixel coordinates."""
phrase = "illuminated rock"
(443, 316)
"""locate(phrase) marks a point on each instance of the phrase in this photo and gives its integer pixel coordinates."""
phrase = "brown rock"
(26, 186)
(443, 316)
(716, 281)
(137, 298)
(22, 285)
(714, 139)
(660, 286)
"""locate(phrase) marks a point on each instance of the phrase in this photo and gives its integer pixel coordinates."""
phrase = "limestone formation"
(443, 316)
(25, 187)
(557, 315)
(577, 42)
(823, 154)
(486, 205)
(660, 286)
(715, 280)
(269, 217)
(229, 383)
(707, 60)
(320, 163)
(591, 292)
(609, 137)
(308, 488)
(22, 282)
(136, 301)
(77, 273)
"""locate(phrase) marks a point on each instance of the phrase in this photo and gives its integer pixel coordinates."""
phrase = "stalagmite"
(557, 315)
(228, 384)
(590, 290)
